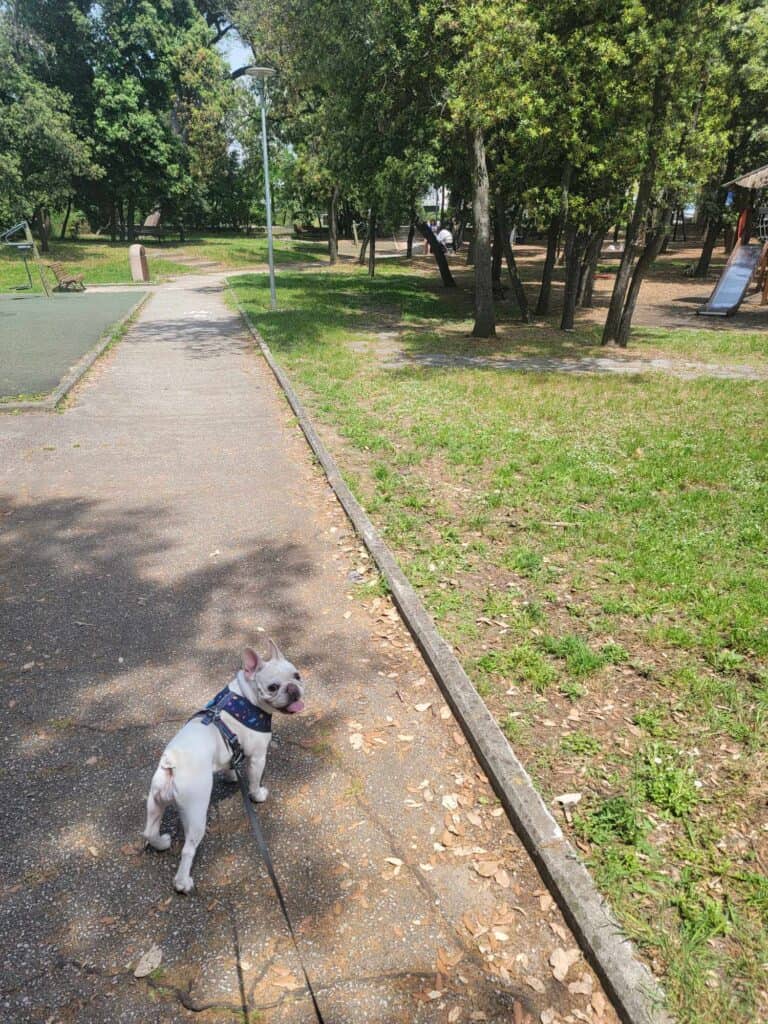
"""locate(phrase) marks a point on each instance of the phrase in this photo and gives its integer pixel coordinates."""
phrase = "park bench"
(64, 280)
(152, 228)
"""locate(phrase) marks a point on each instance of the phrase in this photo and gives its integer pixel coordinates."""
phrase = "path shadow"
(107, 648)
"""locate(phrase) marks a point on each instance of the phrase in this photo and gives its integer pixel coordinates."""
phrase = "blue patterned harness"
(249, 715)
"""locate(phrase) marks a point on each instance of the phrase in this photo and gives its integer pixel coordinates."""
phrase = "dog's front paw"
(259, 795)
(183, 884)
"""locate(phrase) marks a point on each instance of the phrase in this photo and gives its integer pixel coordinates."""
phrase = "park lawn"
(104, 262)
(595, 550)
(238, 250)
(100, 262)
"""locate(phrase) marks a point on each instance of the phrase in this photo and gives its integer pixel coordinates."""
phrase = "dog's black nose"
(293, 692)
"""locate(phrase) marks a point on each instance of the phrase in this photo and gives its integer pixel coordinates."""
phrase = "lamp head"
(261, 74)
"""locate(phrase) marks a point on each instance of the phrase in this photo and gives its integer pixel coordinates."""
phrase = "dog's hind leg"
(160, 795)
(193, 809)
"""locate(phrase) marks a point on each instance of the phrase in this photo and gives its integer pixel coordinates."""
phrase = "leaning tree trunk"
(45, 227)
(653, 246)
(485, 316)
(458, 239)
(372, 243)
(130, 218)
(647, 178)
(364, 246)
(438, 252)
(589, 269)
(63, 233)
(496, 256)
(333, 225)
(575, 245)
(715, 225)
(514, 276)
(411, 233)
(553, 236)
(714, 228)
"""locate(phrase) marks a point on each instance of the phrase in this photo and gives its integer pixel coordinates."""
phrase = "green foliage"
(580, 743)
(667, 780)
(580, 659)
(615, 819)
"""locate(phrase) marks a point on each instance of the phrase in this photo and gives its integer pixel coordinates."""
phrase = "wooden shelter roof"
(752, 179)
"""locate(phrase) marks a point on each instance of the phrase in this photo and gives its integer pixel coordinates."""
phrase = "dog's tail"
(165, 791)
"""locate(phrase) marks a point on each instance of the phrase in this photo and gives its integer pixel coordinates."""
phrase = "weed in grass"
(580, 659)
(703, 918)
(572, 690)
(580, 743)
(513, 728)
(519, 664)
(523, 561)
(654, 719)
(666, 780)
(616, 819)
(725, 660)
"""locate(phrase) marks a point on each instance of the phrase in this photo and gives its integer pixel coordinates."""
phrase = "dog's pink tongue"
(298, 705)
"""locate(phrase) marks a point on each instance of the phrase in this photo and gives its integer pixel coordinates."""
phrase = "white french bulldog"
(185, 772)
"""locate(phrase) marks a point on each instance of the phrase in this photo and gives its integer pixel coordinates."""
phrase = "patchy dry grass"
(595, 549)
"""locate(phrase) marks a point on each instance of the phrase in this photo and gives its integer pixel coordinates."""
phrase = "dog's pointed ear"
(251, 662)
(274, 651)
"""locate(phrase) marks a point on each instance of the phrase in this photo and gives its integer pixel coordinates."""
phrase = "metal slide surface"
(734, 281)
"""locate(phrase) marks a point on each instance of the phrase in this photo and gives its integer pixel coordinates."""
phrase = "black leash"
(238, 765)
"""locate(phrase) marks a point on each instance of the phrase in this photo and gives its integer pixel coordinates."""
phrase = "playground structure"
(748, 263)
(25, 249)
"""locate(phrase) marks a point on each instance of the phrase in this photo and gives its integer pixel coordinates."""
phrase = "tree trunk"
(112, 221)
(130, 218)
(458, 238)
(496, 256)
(333, 226)
(364, 246)
(485, 317)
(45, 228)
(63, 232)
(715, 225)
(438, 252)
(575, 245)
(553, 234)
(714, 228)
(589, 269)
(645, 189)
(653, 246)
(121, 219)
(372, 243)
(514, 276)
(553, 237)
(411, 233)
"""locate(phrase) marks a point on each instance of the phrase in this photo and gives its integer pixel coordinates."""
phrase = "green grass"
(104, 262)
(594, 545)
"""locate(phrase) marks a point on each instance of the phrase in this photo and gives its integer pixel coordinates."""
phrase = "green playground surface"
(41, 338)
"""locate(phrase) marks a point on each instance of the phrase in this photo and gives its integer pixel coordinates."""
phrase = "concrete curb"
(634, 991)
(80, 368)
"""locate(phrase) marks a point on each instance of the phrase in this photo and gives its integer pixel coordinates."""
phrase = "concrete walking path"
(169, 516)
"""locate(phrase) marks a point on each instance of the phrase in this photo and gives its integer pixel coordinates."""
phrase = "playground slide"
(734, 281)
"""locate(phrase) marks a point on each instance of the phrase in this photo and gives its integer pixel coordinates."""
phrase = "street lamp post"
(261, 75)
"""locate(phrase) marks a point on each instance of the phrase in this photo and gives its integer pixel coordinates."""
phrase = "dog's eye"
(273, 688)
(296, 675)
